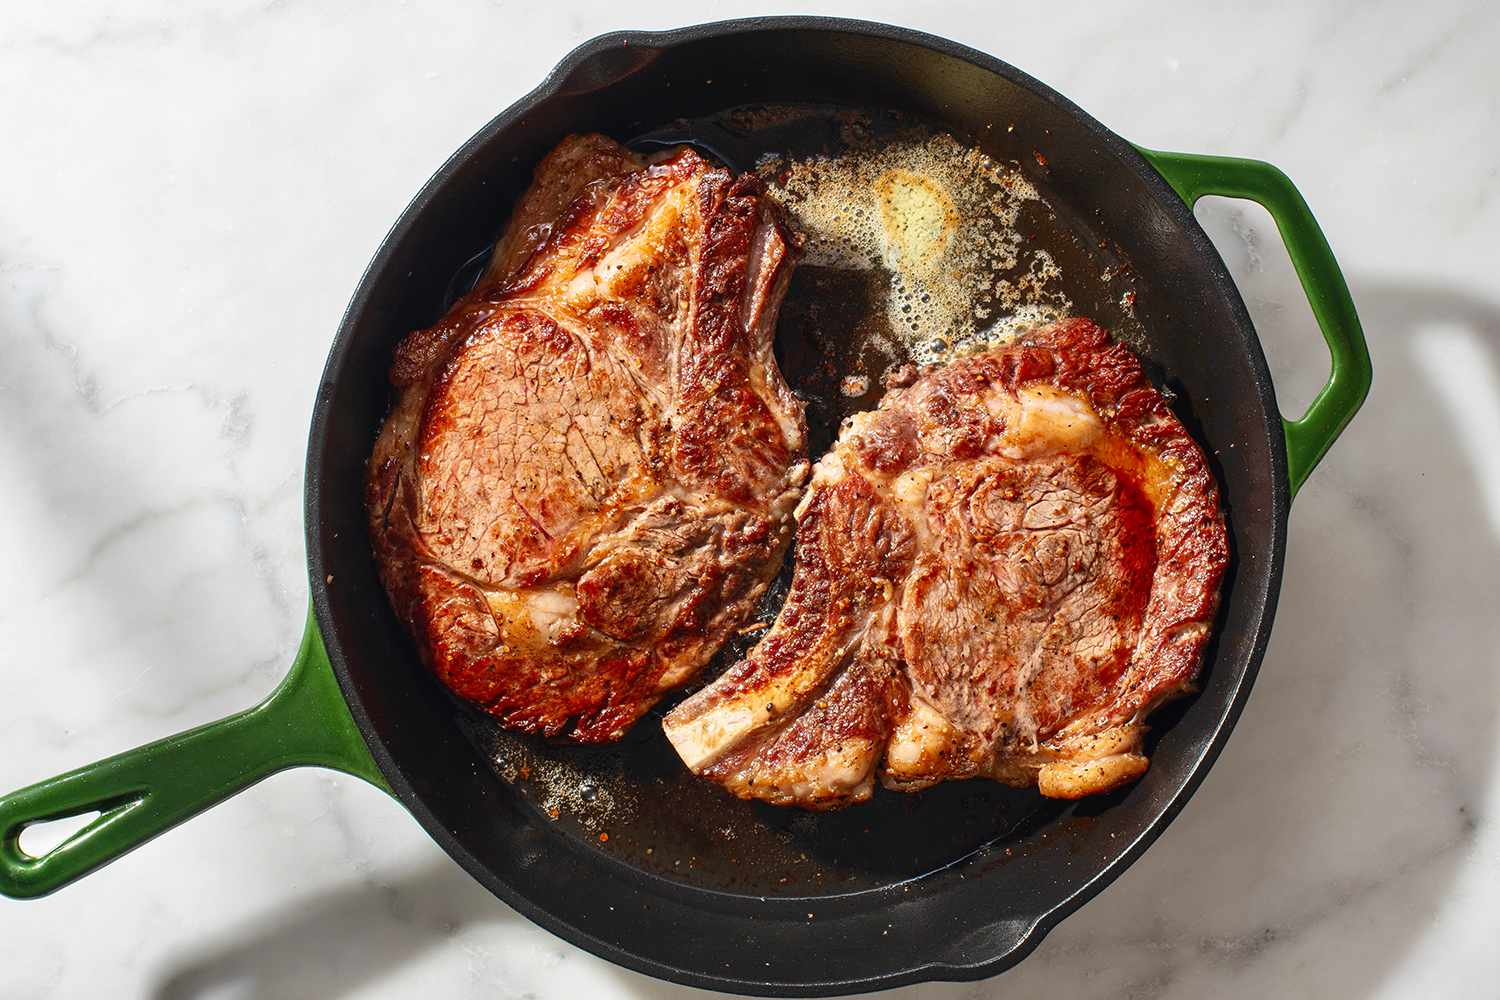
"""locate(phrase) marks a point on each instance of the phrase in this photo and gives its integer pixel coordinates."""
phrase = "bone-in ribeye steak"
(589, 473)
(999, 572)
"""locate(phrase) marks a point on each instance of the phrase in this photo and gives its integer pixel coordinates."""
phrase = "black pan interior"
(641, 863)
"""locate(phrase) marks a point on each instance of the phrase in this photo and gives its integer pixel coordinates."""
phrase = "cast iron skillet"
(957, 883)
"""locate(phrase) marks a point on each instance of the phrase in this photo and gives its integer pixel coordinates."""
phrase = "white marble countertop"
(187, 197)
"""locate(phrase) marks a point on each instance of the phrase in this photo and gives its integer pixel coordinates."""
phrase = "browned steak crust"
(1000, 572)
(588, 476)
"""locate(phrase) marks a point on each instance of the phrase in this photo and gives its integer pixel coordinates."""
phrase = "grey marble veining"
(187, 197)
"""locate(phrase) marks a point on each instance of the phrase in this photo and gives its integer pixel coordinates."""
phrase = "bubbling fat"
(939, 218)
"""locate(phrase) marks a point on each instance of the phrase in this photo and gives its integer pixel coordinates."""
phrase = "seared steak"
(1000, 572)
(588, 475)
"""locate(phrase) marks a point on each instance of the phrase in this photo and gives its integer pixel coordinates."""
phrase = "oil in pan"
(938, 219)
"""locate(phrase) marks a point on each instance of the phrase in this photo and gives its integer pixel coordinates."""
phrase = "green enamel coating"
(149, 790)
(1307, 439)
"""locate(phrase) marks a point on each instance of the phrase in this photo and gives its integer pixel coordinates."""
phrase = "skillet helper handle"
(147, 791)
(1309, 437)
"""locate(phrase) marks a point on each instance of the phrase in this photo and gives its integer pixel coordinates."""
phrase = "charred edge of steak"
(543, 474)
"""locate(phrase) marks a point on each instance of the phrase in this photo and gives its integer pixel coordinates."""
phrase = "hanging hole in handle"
(1247, 238)
(39, 839)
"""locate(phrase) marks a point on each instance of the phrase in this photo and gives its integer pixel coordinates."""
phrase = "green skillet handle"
(1308, 438)
(151, 789)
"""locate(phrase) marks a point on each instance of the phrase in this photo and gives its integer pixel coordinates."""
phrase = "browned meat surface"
(588, 476)
(1000, 572)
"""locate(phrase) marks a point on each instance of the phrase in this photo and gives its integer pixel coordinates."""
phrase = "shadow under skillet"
(331, 943)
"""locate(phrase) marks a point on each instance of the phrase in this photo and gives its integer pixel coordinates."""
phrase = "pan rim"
(1128, 158)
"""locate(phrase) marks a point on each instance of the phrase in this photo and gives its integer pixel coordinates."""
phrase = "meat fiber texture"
(999, 573)
(589, 472)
